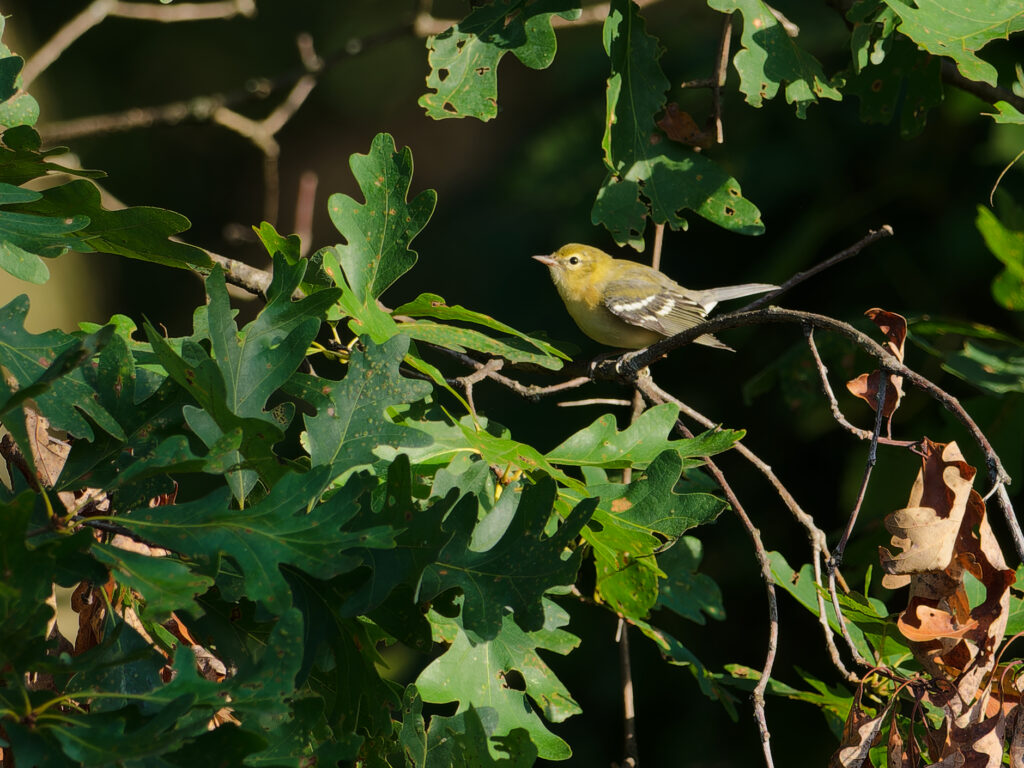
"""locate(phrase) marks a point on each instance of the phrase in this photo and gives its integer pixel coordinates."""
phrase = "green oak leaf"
(515, 572)
(464, 59)
(949, 28)
(378, 232)
(601, 445)
(461, 339)
(632, 523)
(17, 107)
(214, 420)
(690, 594)
(165, 584)
(258, 360)
(419, 538)
(647, 172)
(351, 423)
(255, 362)
(432, 305)
(473, 672)
(25, 237)
(1007, 245)
(22, 160)
(277, 530)
(770, 57)
(29, 574)
(140, 232)
(148, 408)
(1006, 114)
(340, 661)
(902, 80)
(61, 399)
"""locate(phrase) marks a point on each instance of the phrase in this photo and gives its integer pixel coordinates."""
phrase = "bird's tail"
(727, 292)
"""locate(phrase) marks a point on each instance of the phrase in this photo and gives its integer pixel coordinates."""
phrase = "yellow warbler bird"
(625, 304)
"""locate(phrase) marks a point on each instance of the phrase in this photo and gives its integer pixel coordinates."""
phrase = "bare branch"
(596, 401)
(883, 383)
(305, 206)
(721, 72)
(628, 708)
(871, 237)
(837, 414)
(99, 10)
(773, 607)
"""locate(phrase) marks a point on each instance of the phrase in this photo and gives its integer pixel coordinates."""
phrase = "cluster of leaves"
(894, 70)
(246, 536)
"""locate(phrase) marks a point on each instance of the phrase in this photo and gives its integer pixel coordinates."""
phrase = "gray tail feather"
(712, 341)
(734, 292)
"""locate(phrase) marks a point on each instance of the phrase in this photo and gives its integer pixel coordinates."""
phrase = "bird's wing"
(665, 310)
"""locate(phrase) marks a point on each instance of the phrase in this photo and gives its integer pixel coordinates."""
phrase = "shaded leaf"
(165, 584)
(516, 571)
(277, 530)
(640, 161)
(138, 233)
(959, 32)
(770, 58)
(477, 673)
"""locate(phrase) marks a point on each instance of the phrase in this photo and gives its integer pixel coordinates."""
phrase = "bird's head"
(575, 264)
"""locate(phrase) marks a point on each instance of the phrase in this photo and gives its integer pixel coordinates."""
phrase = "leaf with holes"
(517, 570)
(648, 174)
(502, 672)
(378, 232)
(351, 424)
(770, 58)
(464, 58)
(959, 31)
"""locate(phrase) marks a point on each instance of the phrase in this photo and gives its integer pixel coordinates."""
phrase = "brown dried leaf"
(680, 126)
(896, 753)
(1015, 733)
(865, 386)
(860, 731)
(49, 447)
(944, 533)
(88, 602)
(927, 528)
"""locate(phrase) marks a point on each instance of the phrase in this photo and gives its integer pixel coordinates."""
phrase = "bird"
(621, 303)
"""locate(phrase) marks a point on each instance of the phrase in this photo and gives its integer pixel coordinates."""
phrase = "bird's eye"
(574, 260)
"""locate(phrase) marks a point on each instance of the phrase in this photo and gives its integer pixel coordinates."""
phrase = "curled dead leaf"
(866, 386)
(680, 126)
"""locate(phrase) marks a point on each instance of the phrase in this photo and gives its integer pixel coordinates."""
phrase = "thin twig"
(659, 240)
(871, 237)
(596, 401)
(721, 72)
(757, 696)
(466, 382)
(837, 414)
(869, 465)
(631, 748)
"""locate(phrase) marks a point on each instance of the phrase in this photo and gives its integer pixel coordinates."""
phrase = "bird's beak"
(548, 261)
